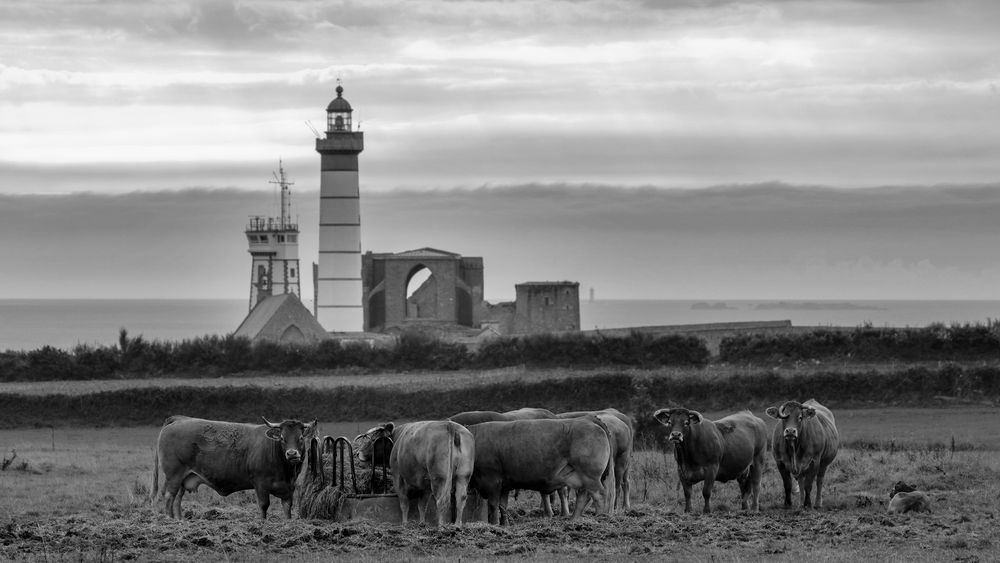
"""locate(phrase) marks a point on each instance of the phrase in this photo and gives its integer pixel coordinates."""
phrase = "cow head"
(791, 415)
(370, 449)
(678, 422)
(293, 436)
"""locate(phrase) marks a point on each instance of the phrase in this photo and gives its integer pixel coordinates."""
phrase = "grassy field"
(80, 494)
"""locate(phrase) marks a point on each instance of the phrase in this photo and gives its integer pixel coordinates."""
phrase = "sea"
(29, 324)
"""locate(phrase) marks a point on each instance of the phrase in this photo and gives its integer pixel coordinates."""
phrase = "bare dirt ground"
(86, 500)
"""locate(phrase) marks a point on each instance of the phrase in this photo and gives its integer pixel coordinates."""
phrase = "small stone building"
(451, 295)
(547, 307)
(281, 318)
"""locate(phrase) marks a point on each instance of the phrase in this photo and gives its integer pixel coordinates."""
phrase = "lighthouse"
(337, 276)
(274, 249)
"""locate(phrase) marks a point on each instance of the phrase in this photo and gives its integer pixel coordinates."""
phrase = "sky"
(845, 149)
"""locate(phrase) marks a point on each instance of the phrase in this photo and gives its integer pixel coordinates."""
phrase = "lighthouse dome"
(339, 104)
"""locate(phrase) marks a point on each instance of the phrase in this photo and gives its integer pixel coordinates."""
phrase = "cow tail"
(611, 448)
(456, 444)
(155, 486)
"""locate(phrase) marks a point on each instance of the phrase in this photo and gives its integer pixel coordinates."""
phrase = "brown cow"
(729, 448)
(804, 442)
(230, 457)
(541, 455)
(429, 456)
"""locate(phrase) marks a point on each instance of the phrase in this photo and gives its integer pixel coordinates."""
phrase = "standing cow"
(804, 442)
(430, 456)
(623, 432)
(541, 455)
(230, 457)
(469, 418)
(726, 449)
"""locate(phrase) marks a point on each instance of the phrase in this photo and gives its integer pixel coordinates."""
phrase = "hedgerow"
(214, 356)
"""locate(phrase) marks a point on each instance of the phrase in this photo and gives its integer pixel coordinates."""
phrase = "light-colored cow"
(433, 457)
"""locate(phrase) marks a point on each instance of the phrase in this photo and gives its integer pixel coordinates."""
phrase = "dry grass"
(86, 500)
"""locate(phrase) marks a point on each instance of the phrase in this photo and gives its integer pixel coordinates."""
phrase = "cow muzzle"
(676, 437)
(293, 456)
(791, 434)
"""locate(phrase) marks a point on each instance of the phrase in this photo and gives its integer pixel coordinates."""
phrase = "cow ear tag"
(274, 434)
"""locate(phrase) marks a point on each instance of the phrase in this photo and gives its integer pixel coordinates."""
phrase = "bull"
(429, 456)
(729, 448)
(623, 433)
(541, 455)
(229, 457)
(803, 444)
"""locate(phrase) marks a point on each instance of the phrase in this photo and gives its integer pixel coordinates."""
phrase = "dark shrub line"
(867, 344)
(214, 356)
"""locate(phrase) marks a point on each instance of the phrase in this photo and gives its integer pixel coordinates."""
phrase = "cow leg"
(563, 493)
(819, 486)
(504, 498)
(493, 508)
(461, 495)
(786, 481)
(286, 504)
(687, 495)
(422, 501)
(404, 504)
(805, 485)
(625, 488)
(744, 482)
(547, 504)
(441, 491)
(173, 503)
(755, 471)
(263, 501)
(706, 492)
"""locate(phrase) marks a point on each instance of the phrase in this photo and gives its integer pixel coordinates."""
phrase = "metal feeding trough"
(331, 486)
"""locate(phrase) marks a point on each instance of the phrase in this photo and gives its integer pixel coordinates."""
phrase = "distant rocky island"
(814, 306)
(717, 306)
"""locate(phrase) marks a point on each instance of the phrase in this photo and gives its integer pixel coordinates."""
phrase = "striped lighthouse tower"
(338, 292)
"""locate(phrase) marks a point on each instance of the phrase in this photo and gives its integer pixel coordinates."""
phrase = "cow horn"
(271, 424)
(781, 409)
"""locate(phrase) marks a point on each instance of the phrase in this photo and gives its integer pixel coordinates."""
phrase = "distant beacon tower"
(337, 278)
(274, 250)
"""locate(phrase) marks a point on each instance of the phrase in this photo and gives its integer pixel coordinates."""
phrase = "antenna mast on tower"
(286, 196)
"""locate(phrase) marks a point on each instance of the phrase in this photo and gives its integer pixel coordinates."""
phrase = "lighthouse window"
(281, 238)
(292, 273)
(263, 238)
(293, 238)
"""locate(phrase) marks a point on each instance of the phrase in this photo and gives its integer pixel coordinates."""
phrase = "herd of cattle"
(496, 453)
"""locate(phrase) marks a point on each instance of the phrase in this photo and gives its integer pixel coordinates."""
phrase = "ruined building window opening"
(421, 295)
